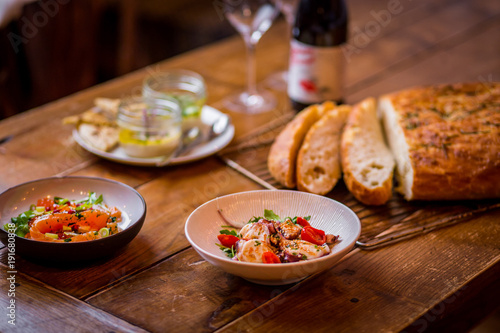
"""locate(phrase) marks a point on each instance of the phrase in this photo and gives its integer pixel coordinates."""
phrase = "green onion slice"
(51, 235)
(104, 232)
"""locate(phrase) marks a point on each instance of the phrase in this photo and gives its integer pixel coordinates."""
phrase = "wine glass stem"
(251, 69)
(289, 22)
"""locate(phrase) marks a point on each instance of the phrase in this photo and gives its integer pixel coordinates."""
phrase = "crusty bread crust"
(365, 155)
(318, 161)
(453, 138)
(282, 157)
(375, 197)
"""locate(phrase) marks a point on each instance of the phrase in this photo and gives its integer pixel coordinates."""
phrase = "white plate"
(208, 116)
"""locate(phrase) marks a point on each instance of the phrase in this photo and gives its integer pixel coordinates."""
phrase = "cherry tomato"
(313, 235)
(303, 222)
(270, 258)
(46, 202)
(227, 240)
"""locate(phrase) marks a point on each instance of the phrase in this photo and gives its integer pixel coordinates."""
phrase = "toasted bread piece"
(103, 138)
(71, 120)
(94, 116)
(102, 114)
(446, 140)
(108, 105)
(367, 163)
(318, 161)
(282, 157)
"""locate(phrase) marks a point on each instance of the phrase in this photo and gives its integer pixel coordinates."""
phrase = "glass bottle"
(317, 65)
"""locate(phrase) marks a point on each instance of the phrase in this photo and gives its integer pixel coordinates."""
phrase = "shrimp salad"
(64, 220)
(270, 239)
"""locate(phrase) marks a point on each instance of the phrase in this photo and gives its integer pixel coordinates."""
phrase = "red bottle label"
(316, 74)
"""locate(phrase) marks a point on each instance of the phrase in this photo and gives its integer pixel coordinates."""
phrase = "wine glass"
(288, 8)
(251, 18)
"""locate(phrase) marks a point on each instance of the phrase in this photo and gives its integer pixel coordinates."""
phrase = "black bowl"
(18, 199)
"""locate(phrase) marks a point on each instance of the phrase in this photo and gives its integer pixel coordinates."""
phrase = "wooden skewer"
(246, 173)
(392, 238)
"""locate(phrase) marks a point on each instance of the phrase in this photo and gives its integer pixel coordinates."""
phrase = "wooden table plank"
(222, 78)
(407, 36)
(385, 289)
(170, 199)
(30, 129)
(52, 153)
(42, 309)
(376, 281)
(191, 295)
(129, 175)
(123, 86)
(463, 310)
(389, 289)
(454, 61)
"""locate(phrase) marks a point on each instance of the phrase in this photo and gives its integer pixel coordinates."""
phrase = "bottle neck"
(321, 22)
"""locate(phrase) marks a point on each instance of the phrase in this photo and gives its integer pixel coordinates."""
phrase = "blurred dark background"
(57, 47)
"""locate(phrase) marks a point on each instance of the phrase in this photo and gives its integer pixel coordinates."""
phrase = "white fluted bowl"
(204, 224)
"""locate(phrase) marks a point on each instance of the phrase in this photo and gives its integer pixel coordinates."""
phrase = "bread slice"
(446, 140)
(318, 161)
(399, 147)
(366, 161)
(108, 105)
(102, 114)
(104, 138)
(282, 157)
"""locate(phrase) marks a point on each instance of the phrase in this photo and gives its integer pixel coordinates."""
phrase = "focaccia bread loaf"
(446, 140)
(318, 161)
(282, 157)
(367, 162)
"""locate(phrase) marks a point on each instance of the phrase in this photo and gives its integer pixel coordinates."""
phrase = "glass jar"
(149, 127)
(187, 87)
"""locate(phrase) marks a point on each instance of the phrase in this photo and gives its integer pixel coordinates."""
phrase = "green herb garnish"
(21, 223)
(228, 251)
(294, 219)
(255, 219)
(92, 199)
(270, 215)
(60, 201)
(228, 232)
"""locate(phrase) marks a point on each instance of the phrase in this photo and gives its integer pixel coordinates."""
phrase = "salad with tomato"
(272, 240)
(62, 220)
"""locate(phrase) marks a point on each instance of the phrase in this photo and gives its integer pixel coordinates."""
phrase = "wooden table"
(446, 279)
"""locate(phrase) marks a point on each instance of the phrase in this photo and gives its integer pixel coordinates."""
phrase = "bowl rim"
(95, 241)
(277, 265)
